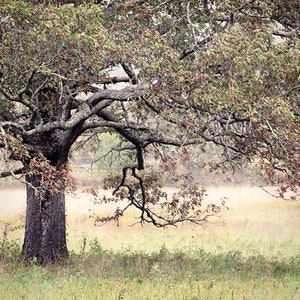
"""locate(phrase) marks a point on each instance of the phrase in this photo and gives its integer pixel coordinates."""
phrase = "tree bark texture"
(45, 231)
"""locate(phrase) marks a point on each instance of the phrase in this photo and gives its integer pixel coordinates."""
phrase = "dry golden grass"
(254, 223)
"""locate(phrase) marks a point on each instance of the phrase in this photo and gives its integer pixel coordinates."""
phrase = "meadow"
(251, 252)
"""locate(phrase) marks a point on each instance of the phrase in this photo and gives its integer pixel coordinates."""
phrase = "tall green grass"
(103, 274)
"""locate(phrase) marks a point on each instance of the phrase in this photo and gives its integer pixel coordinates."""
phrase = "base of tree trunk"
(45, 231)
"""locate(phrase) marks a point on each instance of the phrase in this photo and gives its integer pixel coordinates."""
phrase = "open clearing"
(254, 223)
(13, 202)
(251, 252)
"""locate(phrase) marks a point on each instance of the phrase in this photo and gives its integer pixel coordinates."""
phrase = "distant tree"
(197, 72)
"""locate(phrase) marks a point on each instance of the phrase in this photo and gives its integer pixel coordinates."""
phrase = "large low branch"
(11, 173)
(85, 109)
(119, 95)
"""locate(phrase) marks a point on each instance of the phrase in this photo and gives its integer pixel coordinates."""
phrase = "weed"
(95, 247)
(9, 249)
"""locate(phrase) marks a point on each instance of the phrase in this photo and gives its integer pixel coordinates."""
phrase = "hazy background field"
(251, 252)
(254, 223)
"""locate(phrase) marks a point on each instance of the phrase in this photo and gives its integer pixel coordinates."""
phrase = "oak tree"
(193, 73)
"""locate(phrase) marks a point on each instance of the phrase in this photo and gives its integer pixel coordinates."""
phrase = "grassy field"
(251, 252)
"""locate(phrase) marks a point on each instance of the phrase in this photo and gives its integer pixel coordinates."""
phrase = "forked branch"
(155, 206)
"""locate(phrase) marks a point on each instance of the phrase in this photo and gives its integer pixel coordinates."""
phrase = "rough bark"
(45, 231)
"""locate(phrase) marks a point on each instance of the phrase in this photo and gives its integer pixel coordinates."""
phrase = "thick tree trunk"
(45, 231)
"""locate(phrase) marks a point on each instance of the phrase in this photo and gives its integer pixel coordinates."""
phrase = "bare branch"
(6, 94)
(114, 80)
(12, 173)
(119, 95)
(111, 124)
(19, 96)
(9, 124)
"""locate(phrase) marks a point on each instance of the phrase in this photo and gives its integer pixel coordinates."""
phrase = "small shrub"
(9, 250)
(95, 247)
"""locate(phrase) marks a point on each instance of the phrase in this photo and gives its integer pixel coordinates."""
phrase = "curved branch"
(19, 96)
(125, 94)
(9, 124)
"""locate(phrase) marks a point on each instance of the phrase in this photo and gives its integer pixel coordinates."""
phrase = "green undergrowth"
(106, 274)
